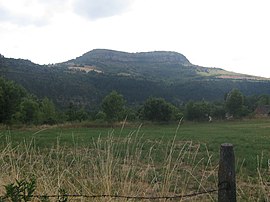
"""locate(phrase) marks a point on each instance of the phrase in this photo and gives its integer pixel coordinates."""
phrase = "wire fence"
(182, 196)
(226, 185)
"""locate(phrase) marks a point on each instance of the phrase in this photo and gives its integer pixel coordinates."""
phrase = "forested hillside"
(85, 80)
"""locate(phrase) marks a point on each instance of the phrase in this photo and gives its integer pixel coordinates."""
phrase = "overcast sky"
(230, 34)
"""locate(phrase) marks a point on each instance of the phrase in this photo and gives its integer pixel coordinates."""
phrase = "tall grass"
(117, 165)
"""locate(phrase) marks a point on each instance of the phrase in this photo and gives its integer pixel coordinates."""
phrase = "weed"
(20, 191)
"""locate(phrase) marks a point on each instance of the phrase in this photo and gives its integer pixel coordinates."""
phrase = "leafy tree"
(177, 113)
(29, 111)
(251, 102)
(113, 106)
(11, 96)
(197, 110)
(234, 102)
(157, 109)
(2, 103)
(81, 114)
(218, 110)
(263, 100)
(101, 116)
(71, 112)
(48, 112)
(131, 114)
(75, 113)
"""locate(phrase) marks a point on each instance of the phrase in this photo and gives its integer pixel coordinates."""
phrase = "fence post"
(226, 174)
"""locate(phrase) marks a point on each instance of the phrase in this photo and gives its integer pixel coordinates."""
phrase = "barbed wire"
(225, 187)
(131, 197)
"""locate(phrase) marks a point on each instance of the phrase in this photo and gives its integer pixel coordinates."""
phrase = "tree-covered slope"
(87, 79)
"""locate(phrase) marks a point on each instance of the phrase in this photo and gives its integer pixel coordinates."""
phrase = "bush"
(198, 111)
(157, 109)
(21, 190)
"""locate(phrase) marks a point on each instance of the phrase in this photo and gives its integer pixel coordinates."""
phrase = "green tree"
(157, 109)
(29, 111)
(48, 112)
(11, 96)
(113, 106)
(81, 114)
(251, 102)
(198, 111)
(218, 110)
(71, 112)
(177, 113)
(100, 116)
(130, 113)
(2, 103)
(234, 102)
(263, 100)
(75, 113)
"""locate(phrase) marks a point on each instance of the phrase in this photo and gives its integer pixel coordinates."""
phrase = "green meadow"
(251, 138)
(132, 158)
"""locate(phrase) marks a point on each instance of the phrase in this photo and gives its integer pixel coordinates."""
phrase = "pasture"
(148, 160)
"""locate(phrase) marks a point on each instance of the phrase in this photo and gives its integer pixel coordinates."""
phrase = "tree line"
(20, 107)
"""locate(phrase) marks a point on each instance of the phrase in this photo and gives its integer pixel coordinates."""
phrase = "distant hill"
(157, 65)
(85, 80)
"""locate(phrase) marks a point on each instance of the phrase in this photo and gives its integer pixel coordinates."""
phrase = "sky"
(229, 34)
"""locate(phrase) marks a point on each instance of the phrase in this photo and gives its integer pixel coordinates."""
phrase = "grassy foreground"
(150, 160)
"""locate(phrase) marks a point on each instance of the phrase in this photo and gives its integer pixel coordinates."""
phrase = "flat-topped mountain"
(85, 80)
(153, 57)
(157, 65)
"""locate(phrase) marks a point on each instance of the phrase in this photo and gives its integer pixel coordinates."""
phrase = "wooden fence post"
(226, 174)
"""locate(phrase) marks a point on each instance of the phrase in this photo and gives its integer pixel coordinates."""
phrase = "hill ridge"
(120, 56)
(87, 79)
(168, 65)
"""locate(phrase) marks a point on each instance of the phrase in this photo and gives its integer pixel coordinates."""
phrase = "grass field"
(138, 159)
(251, 138)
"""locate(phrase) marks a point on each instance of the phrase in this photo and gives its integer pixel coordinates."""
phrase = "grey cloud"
(95, 9)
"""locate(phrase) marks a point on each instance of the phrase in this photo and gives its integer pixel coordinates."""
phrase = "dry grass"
(126, 166)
